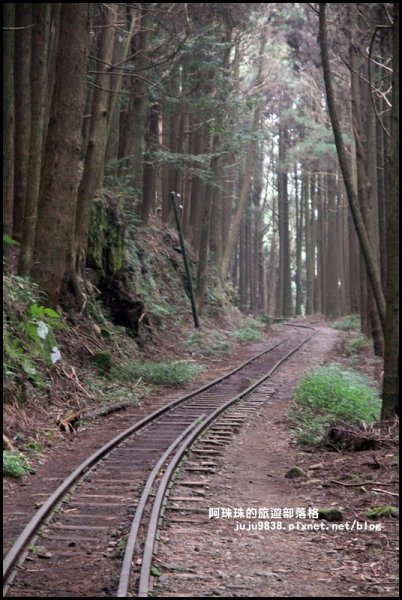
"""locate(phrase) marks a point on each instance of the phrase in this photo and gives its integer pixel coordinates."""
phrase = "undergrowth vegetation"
(250, 330)
(159, 373)
(29, 342)
(331, 394)
(15, 464)
(209, 343)
(350, 322)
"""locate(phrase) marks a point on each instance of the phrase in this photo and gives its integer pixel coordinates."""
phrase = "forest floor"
(251, 473)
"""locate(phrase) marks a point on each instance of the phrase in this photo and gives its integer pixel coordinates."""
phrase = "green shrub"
(248, 334)
(330, 394)
(209, 344)
(355, 345)
(103, 362)
(28, 332)
(160, 373)
(347, 323)
(15, 465)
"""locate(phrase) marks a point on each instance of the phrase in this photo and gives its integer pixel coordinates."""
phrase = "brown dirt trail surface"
(220, 559)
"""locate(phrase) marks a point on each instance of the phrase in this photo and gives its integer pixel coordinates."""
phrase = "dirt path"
(219, 559)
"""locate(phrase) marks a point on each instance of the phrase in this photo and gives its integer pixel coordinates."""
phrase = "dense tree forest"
(275, 125)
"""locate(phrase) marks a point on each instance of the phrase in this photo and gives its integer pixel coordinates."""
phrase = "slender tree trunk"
(8, 122)
(390, 391)
(299, 245)
(92, 176)
(23, 21)
(331, 271)
(117, 81)
(150, 166)
(114, 102)
(248, 169)
(310, 247)
(271, 276)
(243, 268)
(319, 284)
(40, 34)
(60, 171)
(229, 194)
(205, 238)
(364, 131)
(141, 105)
(197, 191)
(372, 270)
(243, 198)
(285, 299)
(344, 241)
(354, 266)
(203, 251)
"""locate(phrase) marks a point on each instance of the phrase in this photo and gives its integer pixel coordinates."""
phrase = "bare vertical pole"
(185, 259)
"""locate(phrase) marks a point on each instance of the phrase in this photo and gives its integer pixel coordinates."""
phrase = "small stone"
(44, 555)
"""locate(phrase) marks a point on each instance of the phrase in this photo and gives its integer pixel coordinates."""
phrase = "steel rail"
(14, 554)
(125, 570)
(162, 490)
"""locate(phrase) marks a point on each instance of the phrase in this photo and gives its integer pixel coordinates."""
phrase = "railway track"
(77, 544)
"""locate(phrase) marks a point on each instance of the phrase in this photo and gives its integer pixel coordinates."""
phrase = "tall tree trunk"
(243, 198)
(285, 307)
(243, 267)
(92, 176)
(310, 246)
(320, 242)
(299, 245)
(390, 390)
(342, 242)
(23, 21)
(60, 171)
(331, 271)
(369, 258)
(119, 57)
(229, 194)
(248, 169)
(141, 104)
(40, 36)
(202, 269)
(271, 279)
(197, 191)
(203, 250)
(364, 132)
(8, 122)
(150, 164)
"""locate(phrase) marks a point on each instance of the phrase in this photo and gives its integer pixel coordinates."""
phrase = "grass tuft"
(247, 334)
(350, 322)
(329, 394)
(15, 465)
(161, 373)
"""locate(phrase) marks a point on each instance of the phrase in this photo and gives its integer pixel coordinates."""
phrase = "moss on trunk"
(105, 254)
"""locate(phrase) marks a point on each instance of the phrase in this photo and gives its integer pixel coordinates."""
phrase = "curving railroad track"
(95, 535)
